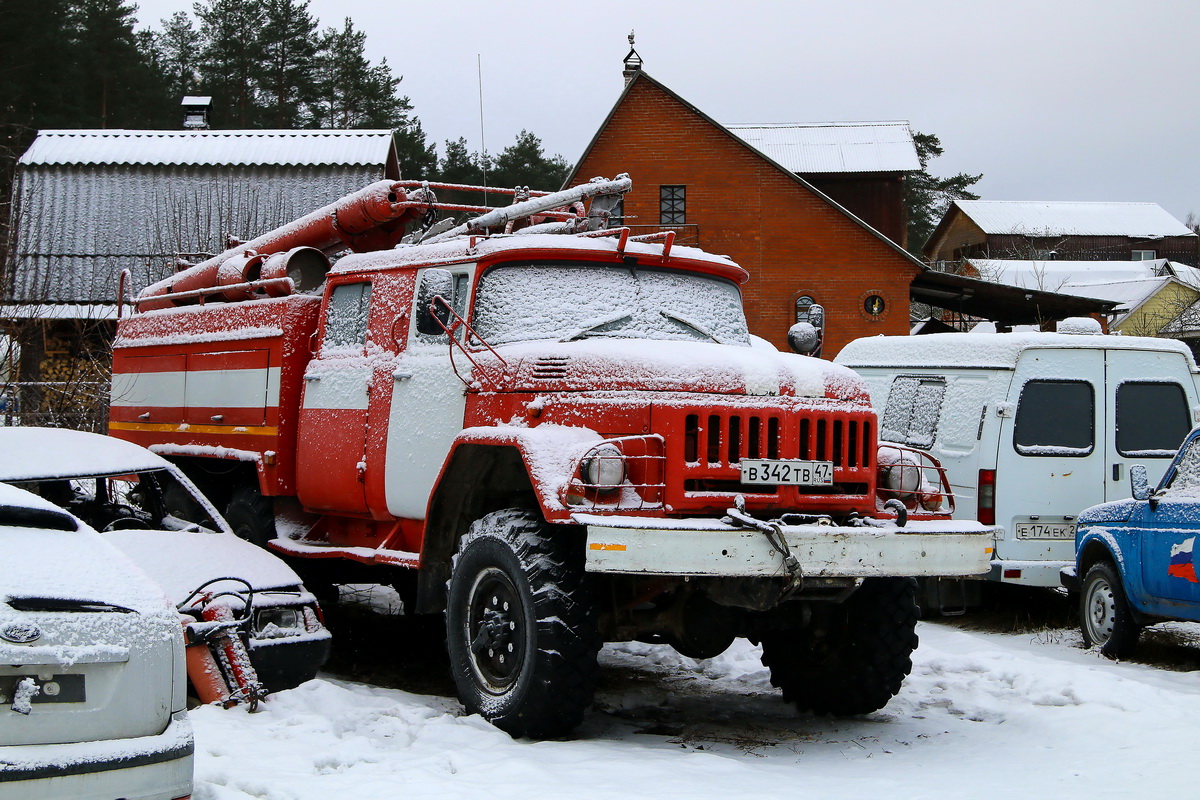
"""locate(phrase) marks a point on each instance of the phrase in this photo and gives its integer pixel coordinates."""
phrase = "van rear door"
(1151, 395)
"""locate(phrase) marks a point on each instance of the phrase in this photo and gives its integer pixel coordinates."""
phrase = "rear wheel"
(854, 656)
(251, 515)
(520, 629)
(1104, 613)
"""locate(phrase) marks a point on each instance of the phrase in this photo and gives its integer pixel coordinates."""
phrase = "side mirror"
(434, 283)
(807, 335)
(1138, 482)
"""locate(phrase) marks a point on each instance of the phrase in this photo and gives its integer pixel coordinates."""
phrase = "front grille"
(710, 445)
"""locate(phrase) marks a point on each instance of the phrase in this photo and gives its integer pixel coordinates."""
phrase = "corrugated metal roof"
(77, 227)
(1130, 294)
(210, 148)
(1050, 218)
(816, 147)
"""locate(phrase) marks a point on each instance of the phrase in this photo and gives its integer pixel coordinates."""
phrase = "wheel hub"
(495, 630)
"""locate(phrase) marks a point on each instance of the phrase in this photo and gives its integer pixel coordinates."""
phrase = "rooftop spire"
(633, 62)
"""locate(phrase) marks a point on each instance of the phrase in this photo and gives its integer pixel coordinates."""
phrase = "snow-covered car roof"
(38, 453)
(47, 562)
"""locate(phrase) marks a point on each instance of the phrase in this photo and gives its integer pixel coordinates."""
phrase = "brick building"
(720, 193)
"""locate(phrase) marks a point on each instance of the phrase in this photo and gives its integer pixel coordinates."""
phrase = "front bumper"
(286, 663)
(708, 547)
(142, 768)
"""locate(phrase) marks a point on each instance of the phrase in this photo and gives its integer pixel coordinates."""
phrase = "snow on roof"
(223, 148)
(1053, 275)
(1052, 218)
(835, 146)
(982, 350)
(1129, 293)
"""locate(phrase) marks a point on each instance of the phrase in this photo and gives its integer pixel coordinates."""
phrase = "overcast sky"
(1049, 99)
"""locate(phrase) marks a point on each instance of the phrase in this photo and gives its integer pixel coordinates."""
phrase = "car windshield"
(1186, 480)
(152, 499)
(532, 302)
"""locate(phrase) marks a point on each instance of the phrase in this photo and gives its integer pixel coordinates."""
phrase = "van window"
(913, 408)
(1056, 418)
(1152, 419)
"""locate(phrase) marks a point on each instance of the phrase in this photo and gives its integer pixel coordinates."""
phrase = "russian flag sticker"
(1182, 564)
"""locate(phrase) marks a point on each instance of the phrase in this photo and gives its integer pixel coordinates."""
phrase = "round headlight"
(604, 468)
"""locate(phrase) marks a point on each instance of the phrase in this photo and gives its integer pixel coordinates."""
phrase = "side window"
(914, 406)
(462, 293)
(346, 316)
(1056, 418)
(1152, 419)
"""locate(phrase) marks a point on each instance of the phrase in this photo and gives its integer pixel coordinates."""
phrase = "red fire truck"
(554, 432)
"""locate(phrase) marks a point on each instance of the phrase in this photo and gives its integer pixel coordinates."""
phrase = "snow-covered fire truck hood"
(668, 366)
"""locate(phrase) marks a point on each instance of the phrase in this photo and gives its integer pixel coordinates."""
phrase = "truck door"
(1149, 414)
(331, 443)
(1050, 460)
(428, 406)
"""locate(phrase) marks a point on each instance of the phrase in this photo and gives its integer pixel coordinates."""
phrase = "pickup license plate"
(1045, 530)
(787, 473)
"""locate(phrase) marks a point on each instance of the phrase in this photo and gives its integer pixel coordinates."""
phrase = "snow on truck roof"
(985, 350)
(460, 249)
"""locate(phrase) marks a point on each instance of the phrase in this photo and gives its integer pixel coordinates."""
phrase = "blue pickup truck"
(1135, 559)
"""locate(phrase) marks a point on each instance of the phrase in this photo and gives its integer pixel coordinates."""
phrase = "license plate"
(1042, 530)
(788, 473)
(59, 689)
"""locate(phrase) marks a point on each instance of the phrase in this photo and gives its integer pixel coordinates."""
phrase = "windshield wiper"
(671, 315)
(592, 325)
(64, 604)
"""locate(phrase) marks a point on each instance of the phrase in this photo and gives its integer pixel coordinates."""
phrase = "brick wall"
(790, 238)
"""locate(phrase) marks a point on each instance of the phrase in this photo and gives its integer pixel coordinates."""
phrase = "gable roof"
(1049, 275)
(1053, 218)
(642, 75)
(823, 147)
(211, 148)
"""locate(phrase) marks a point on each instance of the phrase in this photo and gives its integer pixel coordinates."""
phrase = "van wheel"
(520, 629)
(854, 656)
(1104, 613)
(251, 515)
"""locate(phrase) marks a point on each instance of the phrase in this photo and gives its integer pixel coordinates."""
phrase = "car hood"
(183, 561)
(1107, 513)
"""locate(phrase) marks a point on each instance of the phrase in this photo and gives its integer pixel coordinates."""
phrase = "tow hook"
(773, 530)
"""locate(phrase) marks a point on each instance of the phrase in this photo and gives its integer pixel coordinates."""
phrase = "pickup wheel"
(520, 628)
(251, 516)
(1104, 613)
(854, 656)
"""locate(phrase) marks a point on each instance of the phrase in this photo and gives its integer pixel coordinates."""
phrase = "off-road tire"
(853, 657)
(1104, 613)
(251, 515)
(518, 591)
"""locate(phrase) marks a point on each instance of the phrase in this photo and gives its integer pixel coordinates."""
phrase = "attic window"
(672, 205)
(1145, 255)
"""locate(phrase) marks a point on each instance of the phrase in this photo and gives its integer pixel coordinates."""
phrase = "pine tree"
(231, 60)
(178, 53)
(289, 45)
(417, 160)
(523, 163)
(117, 80)
(353, 93)
(926, 198)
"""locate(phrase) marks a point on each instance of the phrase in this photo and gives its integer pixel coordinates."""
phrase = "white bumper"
(707, 547)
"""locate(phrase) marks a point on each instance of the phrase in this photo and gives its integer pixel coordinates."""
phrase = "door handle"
(1116, 472)
(312, 377)
(401, 376)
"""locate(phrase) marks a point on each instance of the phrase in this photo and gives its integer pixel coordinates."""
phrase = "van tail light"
(987, 496)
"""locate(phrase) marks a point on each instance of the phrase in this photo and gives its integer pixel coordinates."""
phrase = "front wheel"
(251, 515)
(853, 657)
(1104, 613)
(520, 628)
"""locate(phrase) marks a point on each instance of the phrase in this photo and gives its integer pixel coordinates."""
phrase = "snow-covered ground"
(982, 715)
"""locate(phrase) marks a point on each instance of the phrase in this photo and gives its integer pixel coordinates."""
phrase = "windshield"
(152, 499)
(548, 301)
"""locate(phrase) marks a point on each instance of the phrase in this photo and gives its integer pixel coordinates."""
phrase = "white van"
(1032, 428)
